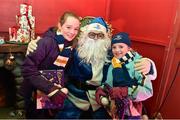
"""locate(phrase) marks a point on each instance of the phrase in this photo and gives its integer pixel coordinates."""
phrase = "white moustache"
(93, 51)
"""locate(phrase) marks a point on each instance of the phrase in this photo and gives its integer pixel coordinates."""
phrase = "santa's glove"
(118, 92)
(32, 46)
(99, 94)
(57, 96)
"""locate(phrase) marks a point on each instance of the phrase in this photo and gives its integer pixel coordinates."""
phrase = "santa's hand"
(118, 92)
(143, 65)
(32, 46)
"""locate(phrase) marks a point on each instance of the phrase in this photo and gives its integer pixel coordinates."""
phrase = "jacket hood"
(51, 32)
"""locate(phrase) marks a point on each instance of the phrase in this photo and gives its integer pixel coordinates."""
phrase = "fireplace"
(7, 88)
(10, 75)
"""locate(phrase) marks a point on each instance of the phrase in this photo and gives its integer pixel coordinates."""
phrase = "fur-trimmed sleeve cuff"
(152, 75)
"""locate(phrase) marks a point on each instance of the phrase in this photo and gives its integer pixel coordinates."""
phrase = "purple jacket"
(42, 59)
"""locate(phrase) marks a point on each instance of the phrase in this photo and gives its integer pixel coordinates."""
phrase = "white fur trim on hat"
(95, 27)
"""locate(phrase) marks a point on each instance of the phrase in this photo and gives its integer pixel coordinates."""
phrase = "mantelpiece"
(6, 48)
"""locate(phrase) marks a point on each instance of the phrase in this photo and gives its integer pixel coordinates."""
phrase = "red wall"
(171, 106)
(157, 54)
(148, 20)
(150, 24)
(48, 11)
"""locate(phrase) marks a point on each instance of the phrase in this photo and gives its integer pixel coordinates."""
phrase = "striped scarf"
(120, 74)
(65, 50)
(128, 57)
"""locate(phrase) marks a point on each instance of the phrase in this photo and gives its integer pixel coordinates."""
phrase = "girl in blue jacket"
(124, 85)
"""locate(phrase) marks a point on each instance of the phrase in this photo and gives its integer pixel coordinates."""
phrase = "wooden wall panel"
(156, 53)
(148, 19)
(170, 108)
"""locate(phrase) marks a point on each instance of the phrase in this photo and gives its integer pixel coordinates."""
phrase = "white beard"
(93, 51)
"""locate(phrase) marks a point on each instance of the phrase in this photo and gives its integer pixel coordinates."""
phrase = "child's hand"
(58, 95)
(99, 93)
(143, 65)
(58, 98)
(104, 101)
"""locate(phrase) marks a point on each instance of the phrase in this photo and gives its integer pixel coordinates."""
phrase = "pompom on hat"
(121, 37)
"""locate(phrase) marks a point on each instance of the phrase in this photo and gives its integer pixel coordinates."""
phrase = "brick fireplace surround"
(7, 83)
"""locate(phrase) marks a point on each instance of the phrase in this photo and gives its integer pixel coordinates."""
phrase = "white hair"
(93, 51)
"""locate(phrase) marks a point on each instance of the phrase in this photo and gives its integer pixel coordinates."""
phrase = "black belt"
(83, 86)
